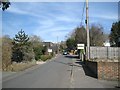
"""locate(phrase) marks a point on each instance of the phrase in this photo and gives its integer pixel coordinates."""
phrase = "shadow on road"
(87, 71)
(79, 63)
(69, 64)
(71, 56)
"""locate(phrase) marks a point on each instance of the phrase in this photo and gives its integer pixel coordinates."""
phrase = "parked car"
(65, 53)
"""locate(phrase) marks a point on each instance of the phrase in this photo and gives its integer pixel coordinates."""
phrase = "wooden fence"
(104, 52)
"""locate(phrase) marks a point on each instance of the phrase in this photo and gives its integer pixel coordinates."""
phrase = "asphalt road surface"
(58, 73)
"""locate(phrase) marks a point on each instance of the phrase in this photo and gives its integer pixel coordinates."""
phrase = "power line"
(82, 14)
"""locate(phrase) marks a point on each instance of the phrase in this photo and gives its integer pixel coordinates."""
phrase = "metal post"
(87, 29)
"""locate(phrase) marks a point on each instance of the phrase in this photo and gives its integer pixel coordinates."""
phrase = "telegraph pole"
(87, 29)
(57, 46)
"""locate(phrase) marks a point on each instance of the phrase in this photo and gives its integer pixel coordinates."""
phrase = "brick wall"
(108, 70)
(119, 74)
(104, 70)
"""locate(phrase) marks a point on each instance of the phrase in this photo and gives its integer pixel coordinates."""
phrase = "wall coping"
(103, 60)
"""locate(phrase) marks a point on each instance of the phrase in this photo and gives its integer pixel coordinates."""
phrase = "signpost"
(49, 50)
(80, 47)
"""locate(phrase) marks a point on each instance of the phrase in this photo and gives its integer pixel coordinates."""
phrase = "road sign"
(80, 46)
(49, 50)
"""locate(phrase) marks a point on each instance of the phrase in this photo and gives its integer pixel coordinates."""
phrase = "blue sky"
(54, 19)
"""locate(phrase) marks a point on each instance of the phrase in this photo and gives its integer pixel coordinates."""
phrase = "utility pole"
(87, 29)
(57, 46)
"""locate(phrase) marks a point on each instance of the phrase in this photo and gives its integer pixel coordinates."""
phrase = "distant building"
(106, 43)
(50, 46)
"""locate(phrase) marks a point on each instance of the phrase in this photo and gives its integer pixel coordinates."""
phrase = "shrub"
(20, 66)
(45, 57)
(38, 52)
(6, 52)
(29, 56)
(53, 54)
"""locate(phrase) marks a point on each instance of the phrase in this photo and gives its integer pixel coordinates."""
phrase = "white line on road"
(72, 75)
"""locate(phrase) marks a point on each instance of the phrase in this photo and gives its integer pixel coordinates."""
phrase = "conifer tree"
(21, 38)
(115, 34)
(22, 49)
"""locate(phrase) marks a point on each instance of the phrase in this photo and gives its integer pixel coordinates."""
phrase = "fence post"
(107, 52)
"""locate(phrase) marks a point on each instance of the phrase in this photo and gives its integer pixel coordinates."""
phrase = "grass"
(15, 67)
(19, 66)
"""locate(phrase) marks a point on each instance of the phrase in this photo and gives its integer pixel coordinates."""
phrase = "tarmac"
(62, 71)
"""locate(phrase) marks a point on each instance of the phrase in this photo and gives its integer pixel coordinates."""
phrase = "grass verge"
(20, 66)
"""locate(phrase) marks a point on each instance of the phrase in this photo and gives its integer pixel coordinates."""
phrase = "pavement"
(60, 72)
(84, 78)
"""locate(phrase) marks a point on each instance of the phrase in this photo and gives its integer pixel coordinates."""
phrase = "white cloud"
(52, 19)
(22, 10)
(106, 16)
(39, 30)
(64, 0)
(59, 34)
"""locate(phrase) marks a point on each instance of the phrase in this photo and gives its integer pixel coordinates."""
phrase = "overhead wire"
(82, 14)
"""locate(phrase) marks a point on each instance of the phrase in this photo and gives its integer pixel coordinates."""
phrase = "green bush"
(38, 52)
(53, 54)
(45, 57)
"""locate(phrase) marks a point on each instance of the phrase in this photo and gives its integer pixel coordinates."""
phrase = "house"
(51, 47)
(106, 43)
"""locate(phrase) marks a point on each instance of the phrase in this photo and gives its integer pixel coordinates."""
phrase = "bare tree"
(96, 35)
(80, 35)
(35, 40)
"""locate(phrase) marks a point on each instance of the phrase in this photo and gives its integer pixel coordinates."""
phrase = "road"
(62, 72)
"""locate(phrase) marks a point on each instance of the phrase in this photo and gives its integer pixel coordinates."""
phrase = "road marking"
(72, 75)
